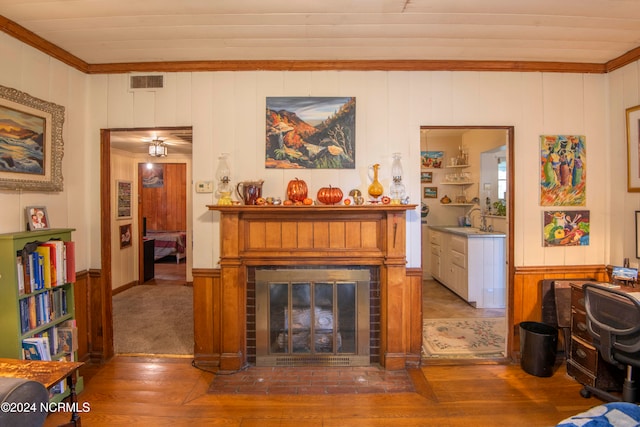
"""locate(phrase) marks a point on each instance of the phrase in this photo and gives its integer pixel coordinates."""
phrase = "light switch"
(204, 187)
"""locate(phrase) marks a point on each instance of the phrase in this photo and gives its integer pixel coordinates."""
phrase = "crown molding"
(28, 37)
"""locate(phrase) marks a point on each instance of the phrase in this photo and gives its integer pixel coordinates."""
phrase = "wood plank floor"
(129, 391)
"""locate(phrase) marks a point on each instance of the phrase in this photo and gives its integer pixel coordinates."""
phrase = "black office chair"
(613, 321)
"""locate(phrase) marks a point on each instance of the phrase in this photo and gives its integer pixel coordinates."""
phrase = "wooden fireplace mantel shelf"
(311, 208)
(254, 236)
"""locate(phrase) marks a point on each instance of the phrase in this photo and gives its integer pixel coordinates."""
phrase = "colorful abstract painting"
(305, 132)
(563, 170)
(432, 159)
(566, 228)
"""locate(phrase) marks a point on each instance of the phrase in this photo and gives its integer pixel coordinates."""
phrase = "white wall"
(35, 73)
(619, 205)
(226, 110)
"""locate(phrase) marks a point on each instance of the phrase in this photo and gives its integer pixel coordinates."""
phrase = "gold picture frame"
(633, 149)
(31, 144)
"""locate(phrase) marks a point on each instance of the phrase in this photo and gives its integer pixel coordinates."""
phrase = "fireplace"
(312, 317)
(256, 240)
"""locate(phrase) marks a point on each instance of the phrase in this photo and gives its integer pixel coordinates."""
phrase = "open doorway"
(467, 246)
(150, 294)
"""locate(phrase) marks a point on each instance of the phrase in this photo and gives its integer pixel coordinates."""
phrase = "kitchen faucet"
(483, 223)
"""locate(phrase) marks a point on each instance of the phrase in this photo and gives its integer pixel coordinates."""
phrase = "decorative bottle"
(224, 189)
(375, 190)
(397, 189)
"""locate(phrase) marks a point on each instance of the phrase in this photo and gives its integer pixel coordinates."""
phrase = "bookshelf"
(44, 306)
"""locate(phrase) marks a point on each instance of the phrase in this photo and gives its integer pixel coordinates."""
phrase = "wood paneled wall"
(165, 206)
(527, 292)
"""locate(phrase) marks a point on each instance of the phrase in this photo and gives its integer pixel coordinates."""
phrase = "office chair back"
(613, 320)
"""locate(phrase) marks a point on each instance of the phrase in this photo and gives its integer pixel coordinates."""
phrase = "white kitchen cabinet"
(471, 264)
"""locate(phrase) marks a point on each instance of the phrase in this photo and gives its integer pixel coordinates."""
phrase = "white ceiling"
(115, 31)
(178, 140)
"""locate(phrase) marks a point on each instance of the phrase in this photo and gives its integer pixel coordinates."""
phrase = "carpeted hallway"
(156, 317)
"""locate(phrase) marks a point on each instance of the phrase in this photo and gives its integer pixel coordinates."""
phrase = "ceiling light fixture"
(157, 148)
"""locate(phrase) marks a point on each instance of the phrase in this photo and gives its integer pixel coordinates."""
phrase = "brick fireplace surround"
(272, 236)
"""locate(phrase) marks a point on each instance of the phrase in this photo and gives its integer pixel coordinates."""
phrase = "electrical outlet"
(204, 187)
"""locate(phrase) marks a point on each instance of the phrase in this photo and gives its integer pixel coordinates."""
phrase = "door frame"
(510, 220)
(101, 299)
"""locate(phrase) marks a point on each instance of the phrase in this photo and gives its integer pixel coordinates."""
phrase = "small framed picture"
(125, 236)
(37, 218)
(426, 177)
(430, 192)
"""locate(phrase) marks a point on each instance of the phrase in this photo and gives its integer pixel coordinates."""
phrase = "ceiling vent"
(146, 82)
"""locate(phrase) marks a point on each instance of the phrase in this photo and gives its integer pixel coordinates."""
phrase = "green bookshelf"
(11, 331)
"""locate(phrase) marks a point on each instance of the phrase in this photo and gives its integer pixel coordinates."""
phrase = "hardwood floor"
(140, 391)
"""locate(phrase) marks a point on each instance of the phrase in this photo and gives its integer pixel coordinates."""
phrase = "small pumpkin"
(330, 195)
(297, 190)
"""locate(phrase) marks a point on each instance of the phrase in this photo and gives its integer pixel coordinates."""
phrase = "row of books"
(56, 343)
(45, 265)
(59, 342)
(42, 308)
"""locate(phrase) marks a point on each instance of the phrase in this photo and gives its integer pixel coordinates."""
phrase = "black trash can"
(538, 348)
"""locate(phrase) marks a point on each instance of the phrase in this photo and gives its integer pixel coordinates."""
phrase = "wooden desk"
(585, 363)
(48, 373)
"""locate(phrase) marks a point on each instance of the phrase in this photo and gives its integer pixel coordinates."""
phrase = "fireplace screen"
(312, 317)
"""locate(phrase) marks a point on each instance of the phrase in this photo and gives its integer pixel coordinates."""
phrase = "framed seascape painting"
(31, 145)
(310, 132)
(566, 228)
(563, 170)
(633, 149)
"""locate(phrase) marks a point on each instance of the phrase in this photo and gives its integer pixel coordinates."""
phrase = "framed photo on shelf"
(33, 149)
(37, 218)
(430, 192)
(633, 149)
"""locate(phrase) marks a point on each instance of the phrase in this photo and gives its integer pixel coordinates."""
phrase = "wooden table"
(48, 373)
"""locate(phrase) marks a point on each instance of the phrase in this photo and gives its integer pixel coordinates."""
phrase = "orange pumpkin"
(329, 195)
(297, 190)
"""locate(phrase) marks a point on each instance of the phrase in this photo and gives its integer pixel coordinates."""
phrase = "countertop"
(466, 231)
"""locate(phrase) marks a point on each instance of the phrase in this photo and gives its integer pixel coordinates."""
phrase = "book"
(67, 339)
(70, 261)
(36, 348)
(45, 252)
(20, 273)
(58, 267)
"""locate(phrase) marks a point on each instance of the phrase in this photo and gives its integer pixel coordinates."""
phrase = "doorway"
(466, 181)
(121, 152)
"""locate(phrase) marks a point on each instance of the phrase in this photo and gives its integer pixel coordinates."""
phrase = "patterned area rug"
(463, 337)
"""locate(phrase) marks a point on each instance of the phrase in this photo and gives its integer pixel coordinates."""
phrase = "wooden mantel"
(305, 236)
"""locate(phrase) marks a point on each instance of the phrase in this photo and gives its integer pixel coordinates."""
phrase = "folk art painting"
(566, 228)
(431, 159)
(563, 170)
(310, 132)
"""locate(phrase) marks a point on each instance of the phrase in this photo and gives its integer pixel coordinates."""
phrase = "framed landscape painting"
(310, 132)
(633, 149)
(31, 145)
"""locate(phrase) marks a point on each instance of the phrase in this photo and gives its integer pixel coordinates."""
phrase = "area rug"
(460, 337)
(154, 319)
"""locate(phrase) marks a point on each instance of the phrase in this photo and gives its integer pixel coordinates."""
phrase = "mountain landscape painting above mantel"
(310, 132)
